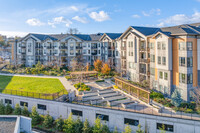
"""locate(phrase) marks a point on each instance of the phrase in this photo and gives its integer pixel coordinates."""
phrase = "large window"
(163, 46)
(102, 117)
(152, 58)
(131, 122)
(161, 75)
(8, 101)
(164, 60)
(189, 78)
(166, 76)
(182, 78)
(169, 128)
(158, 45)
(182, 46)
(151, 45)
(181, 61)
(42, 107)
(189, 46)
(159, 60)
(189, 62)
(77, 112)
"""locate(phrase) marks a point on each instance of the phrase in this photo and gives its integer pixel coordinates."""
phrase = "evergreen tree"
(139, 130)
(86, 127)
(127, 129)
(48, 121)
(25, 111)
(2, 108)
(36, 119)
(78, 126)
(8, 109)
(105, 129)
(17, 110)
(68, 126)
(162, 129)
(176, 98)
(97, 126)
(59, 123)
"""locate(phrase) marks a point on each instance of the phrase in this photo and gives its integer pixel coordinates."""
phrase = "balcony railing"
(49, 47)
(63, 54)
(94, 53)
(142, 48)
(78, 47)
(63, 47)
(123, 57)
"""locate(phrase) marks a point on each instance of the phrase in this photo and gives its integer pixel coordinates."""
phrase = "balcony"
(23, 53)
(123, 66)
(142, 70)
(142, 48)
(78, 47)
(94, 53)
(123, 57)
(63, 54)
(49, 47)
(23, 46)
(94, 47)
(78, 54)
(38, 46)
(123, 48)
(63, 47)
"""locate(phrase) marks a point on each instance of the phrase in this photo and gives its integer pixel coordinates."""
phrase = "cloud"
(34, 22)
(178, 19)
(135, 16)
(99, 17)
(13, 33)
(59, 20)
(152, 12)
(80, 19)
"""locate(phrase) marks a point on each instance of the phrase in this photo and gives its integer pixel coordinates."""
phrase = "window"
(166, 76)
(181, 45)
(158, 45)
(130, 64)
(88, 51)
(23, 103)
(116, 53)
(189, 78)
(131, 122)
(164, 60)
(42, 107)
(102, 117)
(99, 52)
(77, 112)
(8, 101)
(163, 46)
(161, 75)
(189, 62)
(189, 46)
(181, 61)
(182, 78)
(151, 45)
(116, 45)
(160, 88)
(152, 71)
(131, 53)
(169, 128)
(159, 60)
(152, 58)
(131, 44)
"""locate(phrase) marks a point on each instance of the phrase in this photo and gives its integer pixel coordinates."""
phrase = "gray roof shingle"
(114, 35)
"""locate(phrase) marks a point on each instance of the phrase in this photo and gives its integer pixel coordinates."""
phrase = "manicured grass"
(30, 84)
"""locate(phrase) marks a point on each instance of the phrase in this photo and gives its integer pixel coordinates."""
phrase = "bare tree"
(73, 31)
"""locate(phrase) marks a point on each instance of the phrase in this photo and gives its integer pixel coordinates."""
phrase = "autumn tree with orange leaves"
(98, 65)
(105, 69)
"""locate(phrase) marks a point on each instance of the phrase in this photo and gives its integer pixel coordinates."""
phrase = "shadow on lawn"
(4, 81)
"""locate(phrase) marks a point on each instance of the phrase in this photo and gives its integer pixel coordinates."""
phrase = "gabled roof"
(43, 37)
(146, 30)
(113, 36)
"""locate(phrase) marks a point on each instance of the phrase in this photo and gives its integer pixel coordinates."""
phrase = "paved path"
(63, 80)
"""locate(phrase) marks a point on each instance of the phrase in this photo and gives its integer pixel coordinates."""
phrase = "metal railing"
(34, 94)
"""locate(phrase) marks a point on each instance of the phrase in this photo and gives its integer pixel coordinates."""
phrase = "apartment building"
(58, 49)
(166, 57)
(111, 50)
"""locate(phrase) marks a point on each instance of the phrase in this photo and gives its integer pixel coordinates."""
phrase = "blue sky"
(19, 17)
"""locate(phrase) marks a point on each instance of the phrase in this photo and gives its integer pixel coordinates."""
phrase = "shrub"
(8, 109)
(25, 111)
(17, 110)
(176, 98)
(2, 108)
(86, 127)
(59, 123)
(97, 126)
(127, 129)
(78, 126)
(188, 111)
(100, 80)
(115, 87)
(36, 119)
(154, 95)
(68, 126)
(48, 121)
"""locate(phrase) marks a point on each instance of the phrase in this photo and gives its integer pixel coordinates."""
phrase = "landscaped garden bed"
(82, 87)
(31, 86)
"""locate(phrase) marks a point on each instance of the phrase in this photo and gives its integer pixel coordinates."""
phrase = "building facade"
(167, 58)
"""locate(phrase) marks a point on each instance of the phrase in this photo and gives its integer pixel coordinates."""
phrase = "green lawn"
(30, 84)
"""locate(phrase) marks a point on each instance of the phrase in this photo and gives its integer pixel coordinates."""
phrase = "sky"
(20, 17)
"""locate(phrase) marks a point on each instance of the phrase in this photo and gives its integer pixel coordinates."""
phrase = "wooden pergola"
(136, 91)
(80, 75)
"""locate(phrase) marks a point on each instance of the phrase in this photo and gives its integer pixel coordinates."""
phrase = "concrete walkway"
(62, 79)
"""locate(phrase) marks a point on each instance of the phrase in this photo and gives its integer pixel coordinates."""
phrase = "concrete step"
(110, 99)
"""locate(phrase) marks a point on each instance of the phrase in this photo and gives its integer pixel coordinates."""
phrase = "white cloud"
(13, 33)
(59, 20)
(34, 22)
(101, 16)
(152, 12)
(178, 19)
(135, 16)
(80, 19)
